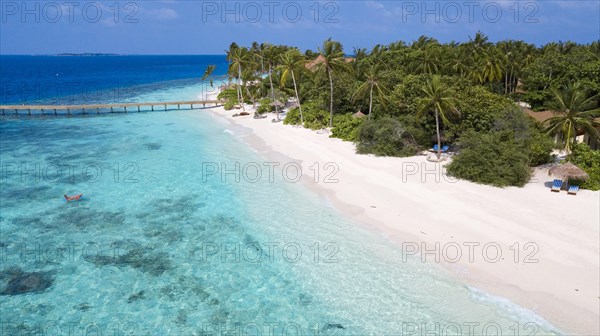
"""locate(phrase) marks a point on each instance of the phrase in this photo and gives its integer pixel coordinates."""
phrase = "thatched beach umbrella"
(294, 105)
(359, 114)
(569, 171)
(277, 103)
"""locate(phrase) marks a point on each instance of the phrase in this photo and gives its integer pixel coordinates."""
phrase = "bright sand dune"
(556, 275)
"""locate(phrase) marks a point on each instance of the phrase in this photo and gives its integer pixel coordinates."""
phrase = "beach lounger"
(556, 185)
(444, 148)
(573, 190)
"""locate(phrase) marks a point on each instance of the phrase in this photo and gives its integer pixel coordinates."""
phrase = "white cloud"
(375, 5)
(162, 13)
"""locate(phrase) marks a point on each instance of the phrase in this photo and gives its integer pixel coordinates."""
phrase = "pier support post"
(111, 109)
(178, 106)
(165, 107)
(83, 110)
(125, 109)
(69, 111)
(191, 106)
(55, 112)
(138, 108)
(29, 111)
(42, 111)
(97, 110)
(152, 107)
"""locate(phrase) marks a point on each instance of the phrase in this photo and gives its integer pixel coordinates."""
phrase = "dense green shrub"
(538, 144)
(503, 155)
(495, 158)
(292, 117)
(588, 160)
(228, 94)
(229, 105)
(315, 117)
(479, 109)
(540, 148)
(264, 106)
(345, 127)
(231, 98)
(386, 137)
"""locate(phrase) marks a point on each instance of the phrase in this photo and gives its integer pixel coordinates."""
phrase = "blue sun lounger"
(444, 148)
(556, 185)
(573, 190)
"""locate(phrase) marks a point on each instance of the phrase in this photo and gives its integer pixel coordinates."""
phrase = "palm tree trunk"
(506, 81)
(511, 79)
(437, 129)
(330, 98)
(237, 91)
(273, 92)
(240, 85)
(251, 96)
(298, 98)
(571, 140)
(370, 102)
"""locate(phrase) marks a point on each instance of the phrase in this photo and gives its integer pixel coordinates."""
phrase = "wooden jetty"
(112, 108)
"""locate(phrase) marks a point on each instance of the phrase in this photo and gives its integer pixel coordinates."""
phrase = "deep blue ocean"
(169, 239)
(95, 79)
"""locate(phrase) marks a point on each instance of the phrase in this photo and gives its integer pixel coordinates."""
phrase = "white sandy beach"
(556, 275)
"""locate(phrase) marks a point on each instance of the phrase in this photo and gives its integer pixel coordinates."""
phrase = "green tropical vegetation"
(415, 95)
(496, 158)
(439, 99)
(575, 112)
(588, 160)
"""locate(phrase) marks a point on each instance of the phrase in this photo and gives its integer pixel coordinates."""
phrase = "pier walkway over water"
(107, 108)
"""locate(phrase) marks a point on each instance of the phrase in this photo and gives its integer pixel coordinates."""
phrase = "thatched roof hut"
(540, 116)
(569, 171)
(359, 114)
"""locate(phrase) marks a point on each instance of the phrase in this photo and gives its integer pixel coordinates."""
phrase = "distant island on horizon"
(86, 54)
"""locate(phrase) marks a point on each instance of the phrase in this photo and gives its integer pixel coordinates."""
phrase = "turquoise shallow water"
(160, 247)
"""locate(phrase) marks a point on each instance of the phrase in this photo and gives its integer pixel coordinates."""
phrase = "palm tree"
(574, 112)
(438, 97)
(270, 55)
(360, 53)
(208, 72)
(257, 51)
(427, 59)
(372, 83)
(479, 42)
(238, 57)
(292, 61)
(333, 61)
(459, 62)
(424, 42)
(489, 66)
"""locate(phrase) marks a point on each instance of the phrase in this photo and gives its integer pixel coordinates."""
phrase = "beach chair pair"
(444, 148)
(557, 185)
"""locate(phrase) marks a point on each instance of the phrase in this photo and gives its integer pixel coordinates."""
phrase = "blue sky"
(208, 27)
